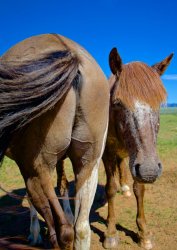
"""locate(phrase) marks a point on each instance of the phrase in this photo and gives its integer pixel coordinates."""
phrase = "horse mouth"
(146, 173)
(145, 179)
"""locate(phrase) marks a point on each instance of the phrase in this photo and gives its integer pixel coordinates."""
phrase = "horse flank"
(138, 81)
(30, 88)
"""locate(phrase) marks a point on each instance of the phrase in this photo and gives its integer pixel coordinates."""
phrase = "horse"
(132, 132)
(137, 93)
(54, 101)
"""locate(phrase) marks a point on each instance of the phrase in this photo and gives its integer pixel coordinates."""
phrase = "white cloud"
(169, 77)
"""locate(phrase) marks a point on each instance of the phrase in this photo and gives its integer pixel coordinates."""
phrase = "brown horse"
(54, 100)
(133, 127)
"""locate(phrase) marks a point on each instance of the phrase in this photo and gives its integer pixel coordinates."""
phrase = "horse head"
(136, 98)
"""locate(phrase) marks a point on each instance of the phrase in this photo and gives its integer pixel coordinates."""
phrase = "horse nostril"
(160, 169)
(160, 166)
(137, 169)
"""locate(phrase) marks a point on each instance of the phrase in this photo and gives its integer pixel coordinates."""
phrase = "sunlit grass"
(167, 138)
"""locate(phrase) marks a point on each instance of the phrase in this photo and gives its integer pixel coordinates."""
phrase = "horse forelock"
(139, 82)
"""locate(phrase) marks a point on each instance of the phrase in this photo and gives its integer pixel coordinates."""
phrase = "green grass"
(167, 138)
(10, 175)
(169, 110)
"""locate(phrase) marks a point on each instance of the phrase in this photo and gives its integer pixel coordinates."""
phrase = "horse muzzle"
(146, 173)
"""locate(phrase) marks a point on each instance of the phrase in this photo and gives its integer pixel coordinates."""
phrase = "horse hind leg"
(62, 184)
(144, 235)
(85, 158)
(43, 197)
(34, 237)
(63, 187)
(41, 203)
(123, 177)
(84, 200)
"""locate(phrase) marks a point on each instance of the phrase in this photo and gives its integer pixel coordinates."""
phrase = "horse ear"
(162, 66)
(115, 62)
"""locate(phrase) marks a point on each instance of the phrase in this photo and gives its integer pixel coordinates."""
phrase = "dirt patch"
(160, 210)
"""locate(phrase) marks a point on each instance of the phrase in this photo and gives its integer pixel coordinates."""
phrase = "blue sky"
(142, 30)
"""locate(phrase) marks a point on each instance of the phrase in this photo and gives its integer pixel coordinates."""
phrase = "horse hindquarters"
(38, 159)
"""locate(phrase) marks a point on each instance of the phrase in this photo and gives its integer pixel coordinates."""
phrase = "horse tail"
(32, 87)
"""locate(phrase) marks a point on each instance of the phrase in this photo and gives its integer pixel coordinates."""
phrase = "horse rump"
(30, 88)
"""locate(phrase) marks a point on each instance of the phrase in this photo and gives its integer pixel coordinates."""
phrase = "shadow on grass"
(15, 220)
(13, 216)
(15, 223)
(129, 233)
(99, 201)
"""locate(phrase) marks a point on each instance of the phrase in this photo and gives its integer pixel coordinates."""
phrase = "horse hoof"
(33, 241)
(146, 244)
(127, 193)
(66, 236)
(111, 242)
(106, 204)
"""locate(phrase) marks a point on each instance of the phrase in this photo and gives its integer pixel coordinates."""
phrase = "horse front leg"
(123, 178)
(144, 234)
(111, 237)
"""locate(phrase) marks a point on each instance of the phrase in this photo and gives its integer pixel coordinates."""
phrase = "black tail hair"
(31, 88)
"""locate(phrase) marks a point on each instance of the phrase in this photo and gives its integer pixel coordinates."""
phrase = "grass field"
(160, 199)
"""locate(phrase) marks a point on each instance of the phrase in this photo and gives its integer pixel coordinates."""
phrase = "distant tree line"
(171, 104)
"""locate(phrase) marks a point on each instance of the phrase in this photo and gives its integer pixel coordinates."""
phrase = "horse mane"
(30, 88)
(140, 82)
